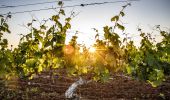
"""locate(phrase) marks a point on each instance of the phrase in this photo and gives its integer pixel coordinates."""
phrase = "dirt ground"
(118, 88)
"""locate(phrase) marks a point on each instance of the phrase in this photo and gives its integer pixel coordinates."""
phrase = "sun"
(92, 49)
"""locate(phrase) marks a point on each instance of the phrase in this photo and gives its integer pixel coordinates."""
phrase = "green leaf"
(40, 68)
(139, 29)
(128, 69)
(120, 27)
(55, 62)
(5, 41)
(40, 38)
(107, 32)
(6, 25)
(156, 77)
(125, 39)
(68, 19)
(115, 18)
(1, 35)
(62, 12)
(31, 63)
(38, 54)
(68, 25)
(47, 44)
(59, 24)
(2, 21)
(56, 66)
(29, 24)
(105, 75)
(33, 20)
(7, 30)
(142, 34)
(43, 27)
(122, 13)
(55, 18)
(28, 36)
(2, 28)
(60, 3)
(84, 70)
(97, 35)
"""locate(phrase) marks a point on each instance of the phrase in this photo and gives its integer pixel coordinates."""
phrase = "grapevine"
(44, 49)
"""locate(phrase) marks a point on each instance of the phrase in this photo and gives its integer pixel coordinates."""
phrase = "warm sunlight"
(84, 49)
(68, 49)
(92, 49)
(81, 50)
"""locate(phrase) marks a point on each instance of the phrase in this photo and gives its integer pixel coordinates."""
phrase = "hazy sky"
(143, 13)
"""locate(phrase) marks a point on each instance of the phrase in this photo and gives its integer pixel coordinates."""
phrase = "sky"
(143, 13)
